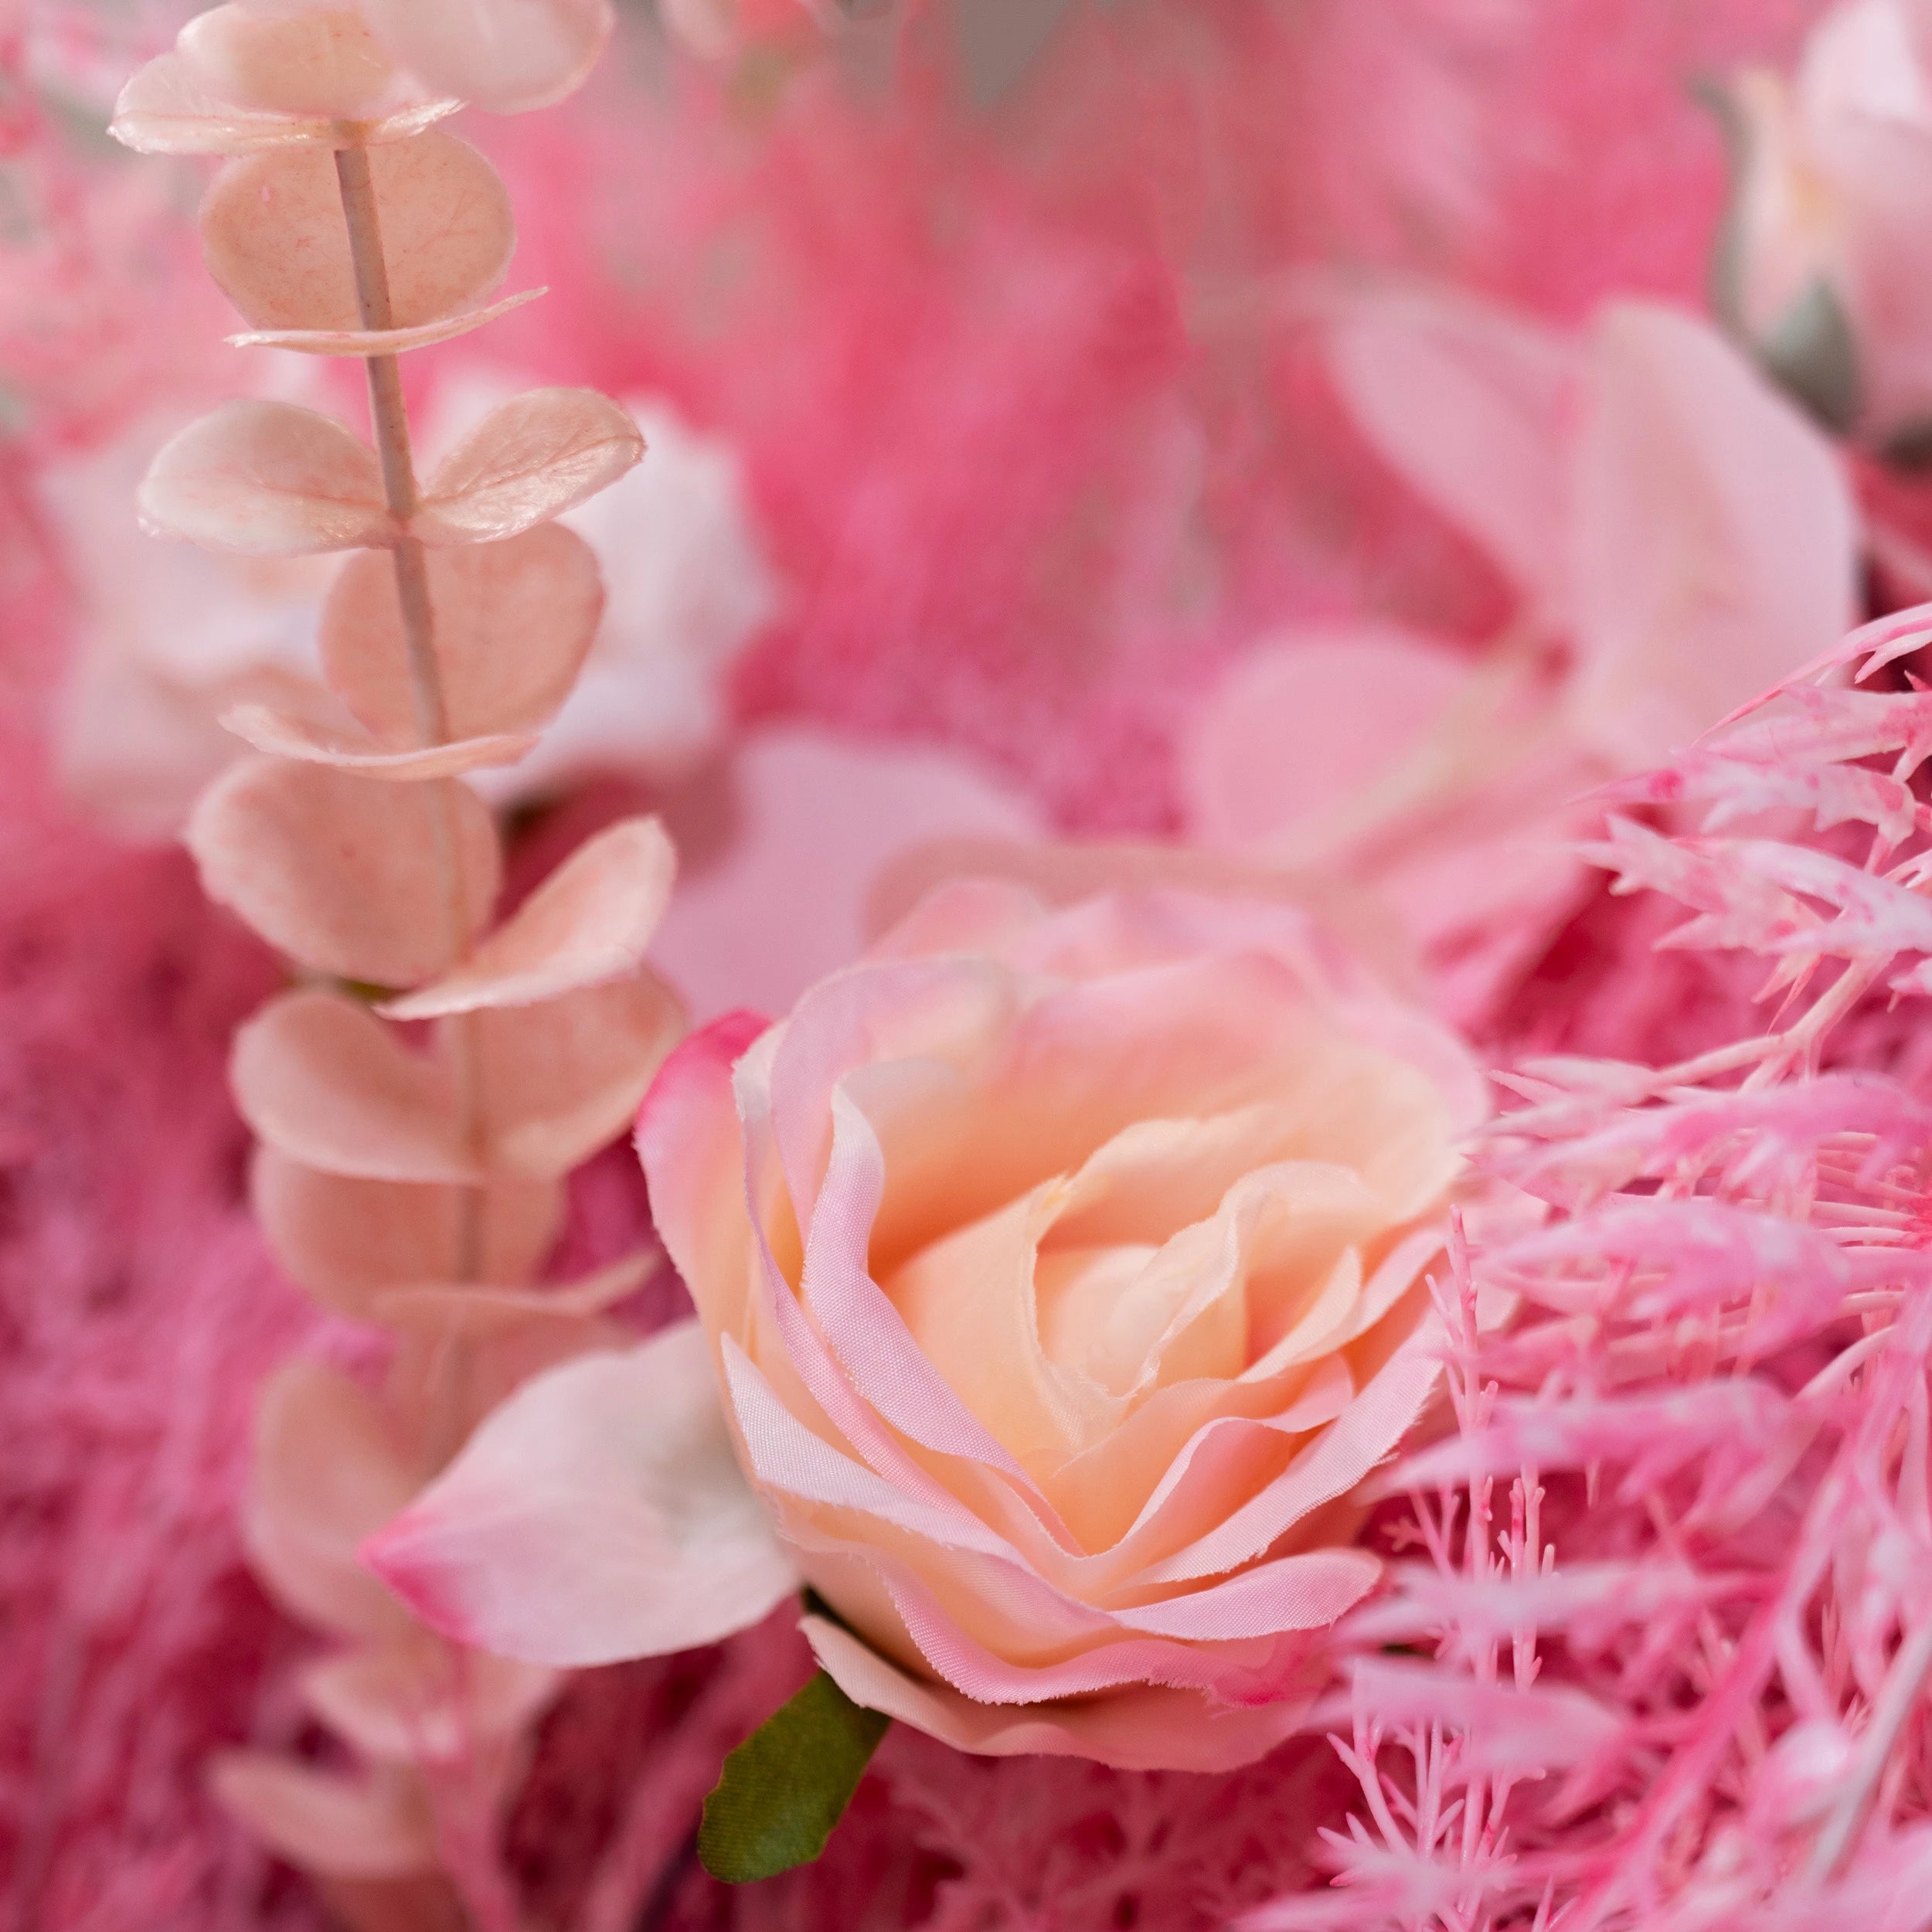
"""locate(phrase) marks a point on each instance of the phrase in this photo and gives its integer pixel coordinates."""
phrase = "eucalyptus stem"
(389, 417)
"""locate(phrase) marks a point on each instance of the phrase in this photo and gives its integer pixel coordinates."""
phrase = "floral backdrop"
(1277, 520)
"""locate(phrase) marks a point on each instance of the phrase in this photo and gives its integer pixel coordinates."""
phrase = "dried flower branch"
(419, 1190)
(1713, 1409)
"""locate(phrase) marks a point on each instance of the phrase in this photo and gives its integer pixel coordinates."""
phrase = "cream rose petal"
(1152, 1729)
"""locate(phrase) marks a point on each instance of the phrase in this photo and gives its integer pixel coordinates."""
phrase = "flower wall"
(1222, 696)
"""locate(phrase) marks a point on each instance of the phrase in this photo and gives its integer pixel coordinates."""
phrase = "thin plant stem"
(389, 417)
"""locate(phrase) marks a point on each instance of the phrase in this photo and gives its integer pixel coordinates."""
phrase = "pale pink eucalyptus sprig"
(414, 1183)
(1690, 1685)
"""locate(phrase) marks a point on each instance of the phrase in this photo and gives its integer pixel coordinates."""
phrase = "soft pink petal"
(1468, 403)
(804, 825)
(351, 1243)
(277, 242)
(323, 1080)
(598, 1514)
(512, 623)
(416, 1702)
(1308, 721)
(373, 1827)
(1151, 1729)
(796, 1464)
(169, 108)
(328, 1471)
(689, 1143)
(266, 479)
(1715, 545)
(528, 461)
(589, 923)
(283, 734)
(346, 875)
(508, 56)
(563, 1079)
(383, 341)
(1310, 1591)
(1057, 874)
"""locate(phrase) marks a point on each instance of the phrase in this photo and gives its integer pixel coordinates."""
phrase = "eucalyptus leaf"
(787, 1785)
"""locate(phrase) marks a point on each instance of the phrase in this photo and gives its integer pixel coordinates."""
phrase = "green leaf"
(1812, 353)
(787, 1784)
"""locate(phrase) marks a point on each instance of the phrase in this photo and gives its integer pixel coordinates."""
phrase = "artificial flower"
(1064, 1274)
(1825, 267)
(1676, 538)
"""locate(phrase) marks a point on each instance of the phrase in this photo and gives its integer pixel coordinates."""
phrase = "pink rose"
(1064, 1275)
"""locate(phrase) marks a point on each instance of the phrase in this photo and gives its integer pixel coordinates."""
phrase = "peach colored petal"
(345, 874)
(469, 1310)
(867, 1333)
(1057, 874)
(418, 1702)
(1714, 544)
(688, 1143)
(1334, 1462)
(508, 56)
(796, 1464)
(530, 460)
(374, 1826)
(322, 63)
(266, 479)
(599, 1514)
(350, 1243)
(513, 622)
(968, 1303)
(1306, 720)
(589, 923)
(283, 734)
(1182, 1492)
(1152, 1729)
(564, 1079)
(323, 1080)
(1467, 401)
(168, 108)
(273, 229)
(382, 341)
(327, 1472)
(1025, 1643)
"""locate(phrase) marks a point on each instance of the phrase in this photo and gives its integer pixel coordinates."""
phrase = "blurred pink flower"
(687, 587)
(1677, 538)
(172, 636)
(783, 845)
(1831, 214)
(1063, 1273)
(169, 636)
